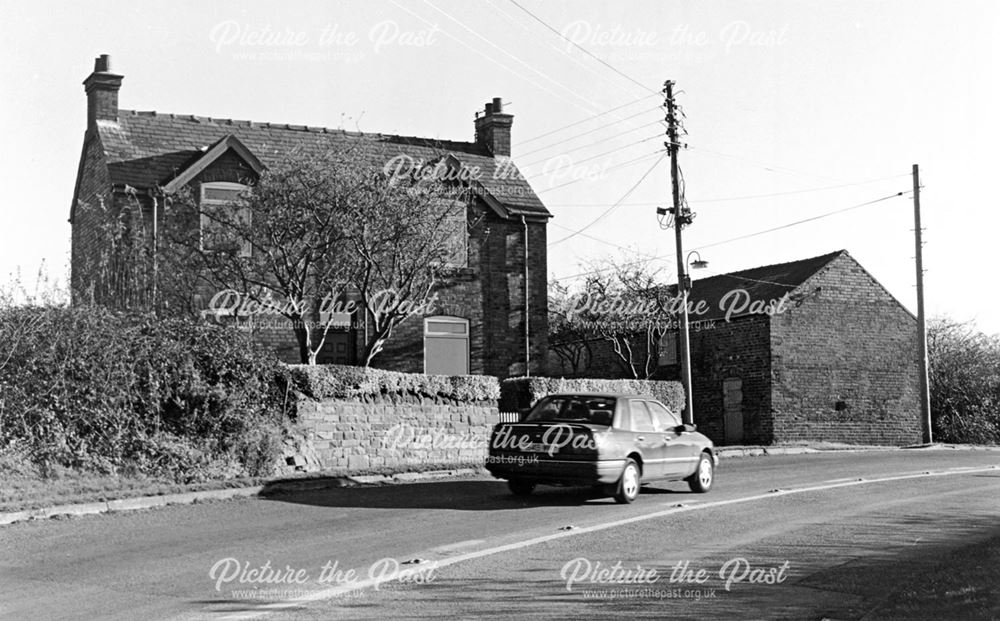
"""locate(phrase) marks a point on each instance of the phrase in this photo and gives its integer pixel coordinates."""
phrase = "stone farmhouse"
(492, 317)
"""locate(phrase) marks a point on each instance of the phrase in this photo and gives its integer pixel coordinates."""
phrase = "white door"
(446, 346)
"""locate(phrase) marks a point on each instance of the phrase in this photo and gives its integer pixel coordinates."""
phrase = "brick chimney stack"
(102, 92)
(493, 128)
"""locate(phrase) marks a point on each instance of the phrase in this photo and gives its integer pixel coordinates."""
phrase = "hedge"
(348, 382)
(92, 389)
(518, 393)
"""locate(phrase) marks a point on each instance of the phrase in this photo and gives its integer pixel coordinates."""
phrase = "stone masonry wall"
(396, 435)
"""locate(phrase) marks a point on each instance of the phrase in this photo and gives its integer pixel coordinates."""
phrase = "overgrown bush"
(522, 392)
(89, 388)
(345, 382)
(965, 383)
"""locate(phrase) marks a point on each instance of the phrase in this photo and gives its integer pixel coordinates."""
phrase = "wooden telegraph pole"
(925, 395)
(683, 282)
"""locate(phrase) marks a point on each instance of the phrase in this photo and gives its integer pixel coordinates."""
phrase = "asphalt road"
(790, 536)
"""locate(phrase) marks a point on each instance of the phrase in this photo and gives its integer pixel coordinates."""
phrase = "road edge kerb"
(149, 502)
(185, 498)
(725, 452)
(756, 451)
(127, 504)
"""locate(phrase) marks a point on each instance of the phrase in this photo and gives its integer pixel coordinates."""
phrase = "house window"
(446, 346)
(222, 218)
(453, 220)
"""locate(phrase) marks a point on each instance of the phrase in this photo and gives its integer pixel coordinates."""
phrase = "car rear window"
(573, 409)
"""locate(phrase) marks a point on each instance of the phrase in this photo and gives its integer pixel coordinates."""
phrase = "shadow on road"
(458, 495)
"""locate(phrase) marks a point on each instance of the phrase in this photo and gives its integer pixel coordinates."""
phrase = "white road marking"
(454, 546)
(339, 590)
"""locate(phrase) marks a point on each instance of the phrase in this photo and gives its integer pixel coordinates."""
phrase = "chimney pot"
(489, 109)
(497, 105)
(102, 64)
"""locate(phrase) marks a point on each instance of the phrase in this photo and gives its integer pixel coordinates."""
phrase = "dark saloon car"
(617, 442)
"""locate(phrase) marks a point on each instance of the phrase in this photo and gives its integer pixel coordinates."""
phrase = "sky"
(793, 110)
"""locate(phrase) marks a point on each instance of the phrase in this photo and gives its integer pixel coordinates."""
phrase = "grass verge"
(19, 492)
(23, 491)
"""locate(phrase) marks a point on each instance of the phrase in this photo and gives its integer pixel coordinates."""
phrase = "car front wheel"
(702, 479)
(628, 484)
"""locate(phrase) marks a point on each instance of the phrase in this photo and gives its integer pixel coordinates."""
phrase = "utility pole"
(925, 395)
(680, 219)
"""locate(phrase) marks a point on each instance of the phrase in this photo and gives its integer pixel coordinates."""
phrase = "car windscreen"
(573, 409)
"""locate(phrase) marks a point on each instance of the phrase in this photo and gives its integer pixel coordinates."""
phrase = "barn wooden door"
(732, 406)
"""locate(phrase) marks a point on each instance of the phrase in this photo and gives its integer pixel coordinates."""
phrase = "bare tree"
(313, 228)
(569, 340)
(405, 238)
(271, 249)
(624, 304)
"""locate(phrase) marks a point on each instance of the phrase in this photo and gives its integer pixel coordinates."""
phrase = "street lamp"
(684, 284)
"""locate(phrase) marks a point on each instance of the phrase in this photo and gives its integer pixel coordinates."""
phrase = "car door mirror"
(685, 428)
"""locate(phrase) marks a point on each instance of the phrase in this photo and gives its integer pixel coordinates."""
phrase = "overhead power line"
(652, 93)
(591, 131)
(756, 163)
(745, 197)
(748, 235)
(581, 121)
(579, 63)
(614, 206)
(791, 192)
(573, 92)
(601, 241)
(574, 101)
(594, 157)
(616, 166)
(756, 280)
(583, 49)
(803, 221)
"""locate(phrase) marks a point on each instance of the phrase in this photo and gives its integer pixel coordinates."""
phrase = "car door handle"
(641, 438)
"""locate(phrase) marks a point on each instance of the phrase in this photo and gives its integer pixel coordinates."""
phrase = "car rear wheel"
(519, 487)
(628, 484)
(702, 479)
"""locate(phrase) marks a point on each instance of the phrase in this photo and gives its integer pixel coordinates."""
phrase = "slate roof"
(148, 149)
(765, 283)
